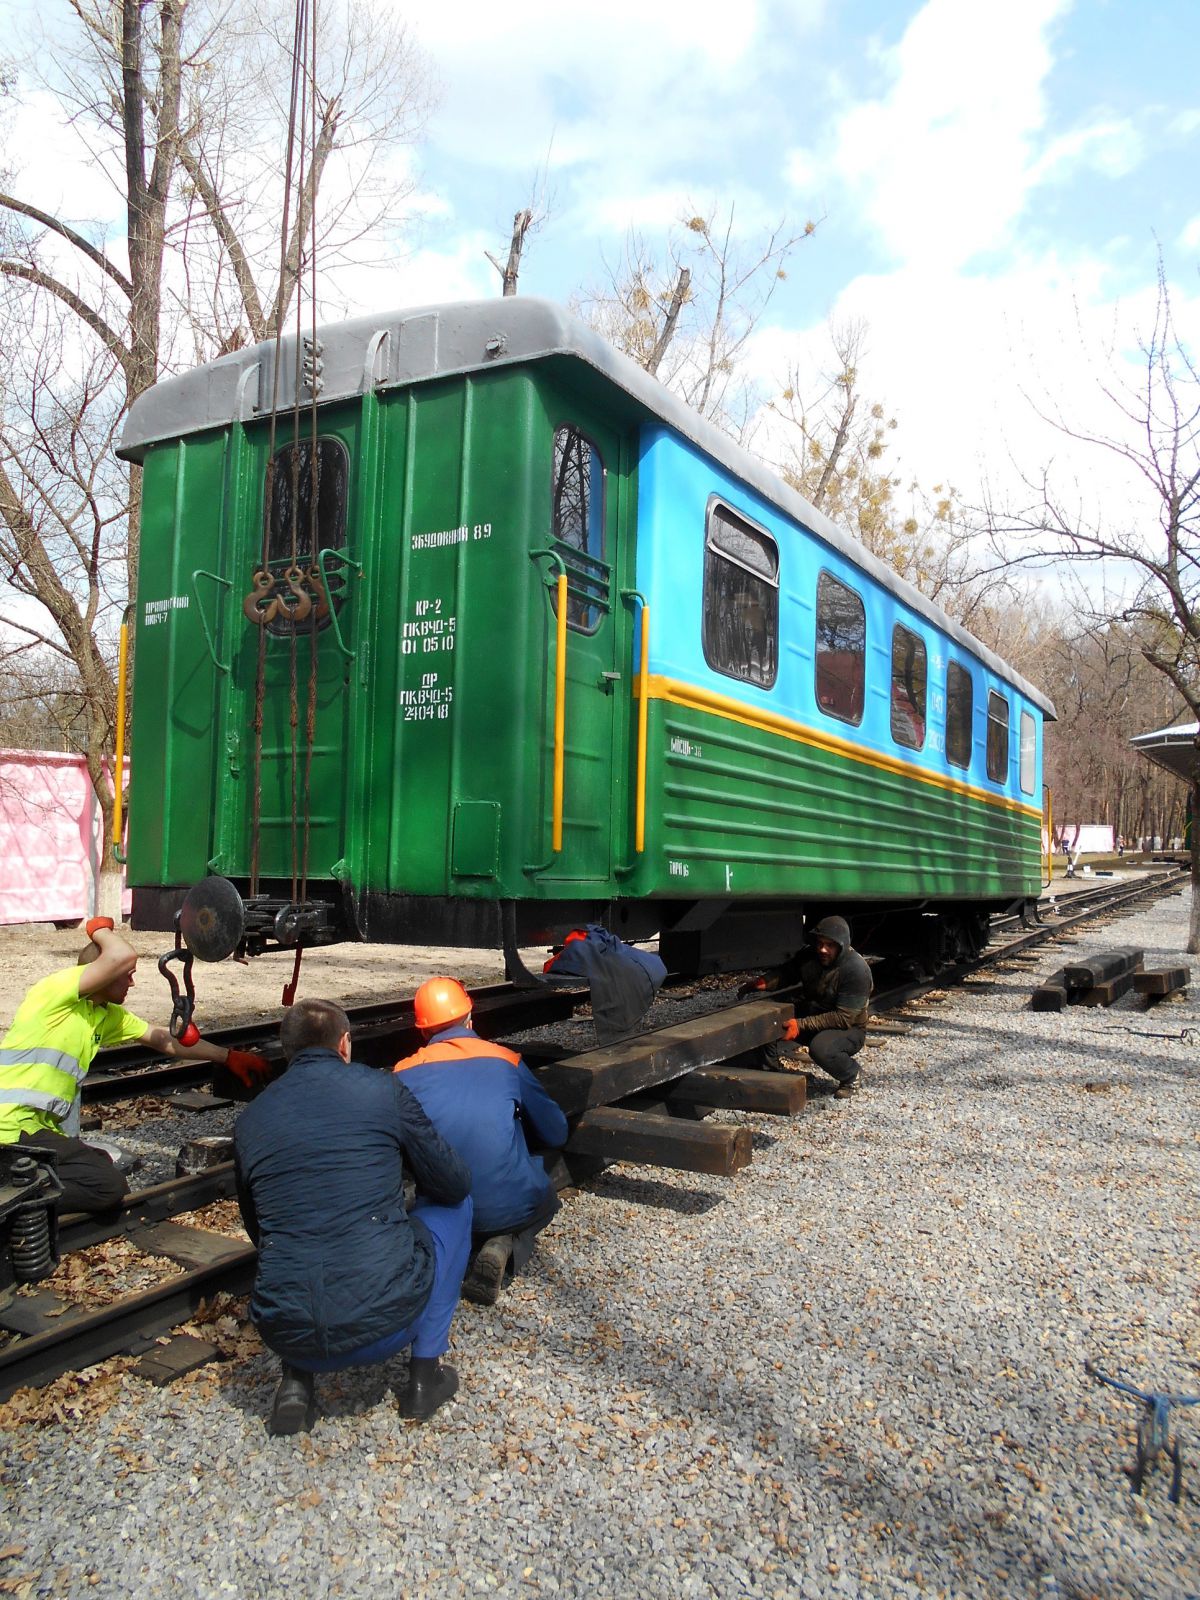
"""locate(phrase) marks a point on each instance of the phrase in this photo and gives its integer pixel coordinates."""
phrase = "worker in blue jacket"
(484, 1101)
(345, 1276)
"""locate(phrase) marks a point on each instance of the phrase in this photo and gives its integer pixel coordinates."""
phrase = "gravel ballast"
(857, 1369)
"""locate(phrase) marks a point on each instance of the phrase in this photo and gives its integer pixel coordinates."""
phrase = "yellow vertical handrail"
(639, 834)
(1048, 808)
(119, 750)
(560, 714)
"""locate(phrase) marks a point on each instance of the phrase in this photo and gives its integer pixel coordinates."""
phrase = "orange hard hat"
(439, 1002)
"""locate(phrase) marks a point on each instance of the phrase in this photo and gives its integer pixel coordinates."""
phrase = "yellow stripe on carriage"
(693, 698)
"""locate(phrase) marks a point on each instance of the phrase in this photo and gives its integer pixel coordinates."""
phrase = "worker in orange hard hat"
(439, 1002)
(485, 1102)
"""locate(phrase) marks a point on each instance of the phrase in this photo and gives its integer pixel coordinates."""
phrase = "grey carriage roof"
(404, 347)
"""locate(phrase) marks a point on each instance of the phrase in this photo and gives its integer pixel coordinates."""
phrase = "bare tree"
(1150, 542)
(834, 444)
(220, 168)
(688, 317)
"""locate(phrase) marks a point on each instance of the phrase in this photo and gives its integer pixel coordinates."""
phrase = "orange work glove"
(97, 922)
(249, 1069)
(752, 986)
(791, 1029)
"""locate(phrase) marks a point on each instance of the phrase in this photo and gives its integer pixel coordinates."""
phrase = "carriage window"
(307, 485)
(960, 710)
(908, 688)
(997, 737)
(741, 598)
(577, 522)
(1028, 752)
(841, 649)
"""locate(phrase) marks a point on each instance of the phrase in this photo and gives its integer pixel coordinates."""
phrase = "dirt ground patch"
(228, 994)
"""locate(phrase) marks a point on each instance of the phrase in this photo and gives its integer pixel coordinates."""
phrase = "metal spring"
(30, 1243)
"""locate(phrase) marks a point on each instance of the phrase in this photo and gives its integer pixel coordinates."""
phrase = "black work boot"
(429, 1386)
(485, 1275)
(294, 1403)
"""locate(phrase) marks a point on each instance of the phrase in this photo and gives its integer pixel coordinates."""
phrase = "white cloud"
(1112, 149)
(967, 363)
(941, 164)
(457, 271)
(636, 86)
(802, 170)
(1189, 236)
(54, 169)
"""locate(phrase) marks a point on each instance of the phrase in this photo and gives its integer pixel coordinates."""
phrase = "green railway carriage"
(490, 635)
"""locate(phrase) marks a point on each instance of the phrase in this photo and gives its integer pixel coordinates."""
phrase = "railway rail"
(643, 1100)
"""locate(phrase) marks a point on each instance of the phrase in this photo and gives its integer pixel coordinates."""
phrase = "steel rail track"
(378, 1029)
(1106, 899)
(133, 1322)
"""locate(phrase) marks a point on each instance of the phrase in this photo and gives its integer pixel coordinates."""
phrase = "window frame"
(994, 696)
(922, 711)
(591, 571)
(851, 721)
(955, 666)
(716, 508)
(1027, 720)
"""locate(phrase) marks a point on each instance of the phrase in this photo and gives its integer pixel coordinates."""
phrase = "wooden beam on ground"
(1167, 981)
(191, 1247)
(1102, 968)
(1103, 994)
(600, 1077)
(181, 1354)
(1051, 993)
(780, 1094)
(637, 1136)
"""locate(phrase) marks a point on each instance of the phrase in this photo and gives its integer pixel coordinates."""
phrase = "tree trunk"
(110, 885)
(1193, 944)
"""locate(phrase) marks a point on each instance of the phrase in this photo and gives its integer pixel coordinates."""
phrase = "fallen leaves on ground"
(104, 1272)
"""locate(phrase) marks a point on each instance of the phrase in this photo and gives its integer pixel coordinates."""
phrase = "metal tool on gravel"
(1154, 1437)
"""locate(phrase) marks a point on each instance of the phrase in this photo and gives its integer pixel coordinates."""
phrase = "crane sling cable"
(315, 580)
(262, 606)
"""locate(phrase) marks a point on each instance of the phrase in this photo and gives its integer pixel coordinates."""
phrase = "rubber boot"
(294, 1403)
(485, 1275)
(124, 1160)
(429, 1386)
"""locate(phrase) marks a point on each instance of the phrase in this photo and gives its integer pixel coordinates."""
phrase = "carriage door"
(587, 495)
(293, 669)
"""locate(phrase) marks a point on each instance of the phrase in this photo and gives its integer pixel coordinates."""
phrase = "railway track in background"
(644, 1100)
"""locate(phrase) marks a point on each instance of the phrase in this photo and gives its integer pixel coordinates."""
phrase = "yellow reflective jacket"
(46, 1053)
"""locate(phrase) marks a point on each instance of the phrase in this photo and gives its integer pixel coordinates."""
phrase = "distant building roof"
(1173, 748)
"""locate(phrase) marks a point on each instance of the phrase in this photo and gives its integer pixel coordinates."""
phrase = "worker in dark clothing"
(831, 1010)
(622, 979)
(484, 1101)
(345, 1277)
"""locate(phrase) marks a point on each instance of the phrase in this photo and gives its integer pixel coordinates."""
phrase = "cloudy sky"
(992, 183)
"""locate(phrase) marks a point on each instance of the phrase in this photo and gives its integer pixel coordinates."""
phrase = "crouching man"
(346, 1277)
(44, 1057)
(831, 1008)
(484, 1101)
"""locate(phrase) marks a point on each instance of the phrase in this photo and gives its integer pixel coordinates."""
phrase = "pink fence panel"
(51, 847)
